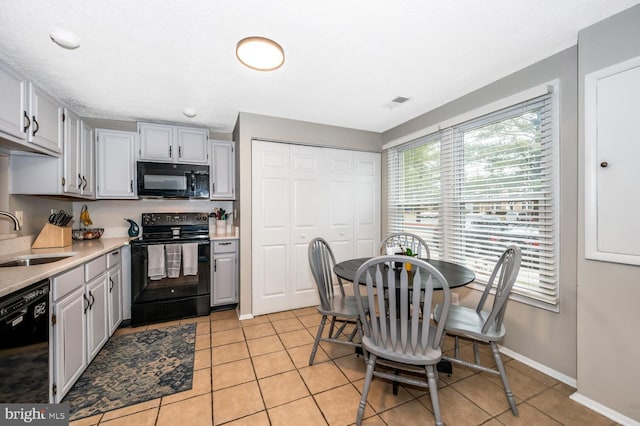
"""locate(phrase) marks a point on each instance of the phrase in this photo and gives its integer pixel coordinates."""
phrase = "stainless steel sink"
(36, 259)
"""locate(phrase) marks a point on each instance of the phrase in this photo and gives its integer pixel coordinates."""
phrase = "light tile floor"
(256, 372)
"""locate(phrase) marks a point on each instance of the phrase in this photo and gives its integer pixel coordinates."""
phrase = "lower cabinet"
(86, 310)
(224, 272)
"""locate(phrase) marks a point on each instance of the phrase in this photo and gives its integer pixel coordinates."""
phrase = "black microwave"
(168, 180)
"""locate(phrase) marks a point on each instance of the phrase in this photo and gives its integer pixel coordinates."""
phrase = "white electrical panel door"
(612, 146)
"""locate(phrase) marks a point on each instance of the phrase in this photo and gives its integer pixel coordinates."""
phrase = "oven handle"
(151, 243)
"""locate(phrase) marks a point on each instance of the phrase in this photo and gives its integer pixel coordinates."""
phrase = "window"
(474, 188)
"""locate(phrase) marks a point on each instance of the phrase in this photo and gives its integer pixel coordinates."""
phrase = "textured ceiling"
(345, 60)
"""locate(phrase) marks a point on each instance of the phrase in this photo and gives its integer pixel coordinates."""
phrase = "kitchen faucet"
(16, 223)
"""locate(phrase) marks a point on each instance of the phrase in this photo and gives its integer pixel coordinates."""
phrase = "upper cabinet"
(29, 117)
(222, 171)
(173, 144)
(79, 161)
(116, 166)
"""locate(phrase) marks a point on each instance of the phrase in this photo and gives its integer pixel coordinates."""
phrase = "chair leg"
(365, 390)
(333, 324)
(503, 375)
(433, 392)
(317, 341)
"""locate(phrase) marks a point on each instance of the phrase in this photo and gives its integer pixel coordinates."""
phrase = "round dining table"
(455, 274)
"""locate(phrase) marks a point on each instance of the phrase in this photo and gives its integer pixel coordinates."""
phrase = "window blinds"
(472, 189)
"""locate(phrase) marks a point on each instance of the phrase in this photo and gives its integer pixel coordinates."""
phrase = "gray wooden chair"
(396, 338)
(405, 240)
(481, 326)
(340, 308)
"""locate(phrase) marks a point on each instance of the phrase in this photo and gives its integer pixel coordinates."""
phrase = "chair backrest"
(405, 240)
(396, 319)
(502, 278)
(321, 261)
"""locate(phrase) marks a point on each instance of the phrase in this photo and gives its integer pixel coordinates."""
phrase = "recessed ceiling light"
(260, 53)
(190, 112)
(64, 38)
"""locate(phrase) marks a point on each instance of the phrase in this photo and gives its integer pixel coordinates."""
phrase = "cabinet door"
(71, 158)
(88, 160)
(69, 341)
(97, 316)
(46, 120)
(12, 103)
(156, 142)
(115, 298)
(224, 279)
(193, 145)
(115, 164)
(222, 170)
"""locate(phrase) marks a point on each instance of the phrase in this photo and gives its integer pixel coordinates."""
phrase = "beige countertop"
(17, 277)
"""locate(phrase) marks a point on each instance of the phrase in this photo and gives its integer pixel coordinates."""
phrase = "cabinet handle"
(84, 296)
(84, 183)
(170, 155)
(111, 285)
(93, 300)
(131, 185)
(215, 265)
(26, 126)
(226, 244)
(179, 152)
(33, 117)
(80, 181)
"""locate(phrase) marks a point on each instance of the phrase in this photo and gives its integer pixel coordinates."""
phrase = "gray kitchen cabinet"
(80, 322)
(222, 171)
(114, 282)
(29, 116)
(71, 174)
(115, 165)
(78, 157)
(69, 342)
(224, 272)
(173, 144)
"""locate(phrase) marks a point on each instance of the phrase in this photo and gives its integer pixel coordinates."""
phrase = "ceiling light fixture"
(260, 53)
(64, 38)
(190, 112)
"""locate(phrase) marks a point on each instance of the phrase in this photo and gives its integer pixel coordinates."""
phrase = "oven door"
(146, 290)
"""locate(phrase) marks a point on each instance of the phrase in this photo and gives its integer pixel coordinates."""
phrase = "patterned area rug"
(134, 368)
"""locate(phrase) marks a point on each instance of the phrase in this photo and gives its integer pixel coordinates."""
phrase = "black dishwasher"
(24, 345)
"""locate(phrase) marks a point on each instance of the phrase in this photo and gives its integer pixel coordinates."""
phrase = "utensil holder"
(221, 227)
(53, 236)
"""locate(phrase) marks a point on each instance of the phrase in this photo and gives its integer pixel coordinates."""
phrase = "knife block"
(53, 236)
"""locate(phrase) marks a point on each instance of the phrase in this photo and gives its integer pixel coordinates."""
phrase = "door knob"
(604, 164)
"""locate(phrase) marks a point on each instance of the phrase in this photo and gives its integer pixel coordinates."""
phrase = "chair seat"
(341, 306)
(467, 322)
(430, 356)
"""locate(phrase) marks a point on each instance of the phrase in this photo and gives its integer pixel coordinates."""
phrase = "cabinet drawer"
(67, 282)
(224, 246)
(113, 258)
(94, 268)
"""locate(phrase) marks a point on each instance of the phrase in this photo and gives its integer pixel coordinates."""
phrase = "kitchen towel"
(174, 259)
(156, 262)
(190, 259)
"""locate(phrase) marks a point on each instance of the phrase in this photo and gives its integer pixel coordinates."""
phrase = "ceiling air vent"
(400, 100)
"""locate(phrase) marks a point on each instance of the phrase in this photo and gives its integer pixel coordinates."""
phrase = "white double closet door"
(299, 193)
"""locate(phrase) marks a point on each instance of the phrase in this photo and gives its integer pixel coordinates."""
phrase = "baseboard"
(540, 367)
(580, 399)
(605, 411)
